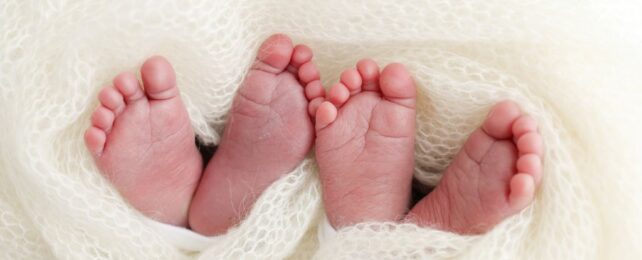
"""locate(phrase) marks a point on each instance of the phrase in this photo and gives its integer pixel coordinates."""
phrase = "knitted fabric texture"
(573, 65)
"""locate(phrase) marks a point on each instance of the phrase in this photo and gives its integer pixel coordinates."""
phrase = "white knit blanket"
(576, 66)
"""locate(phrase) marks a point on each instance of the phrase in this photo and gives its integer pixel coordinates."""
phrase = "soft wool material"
(573, 65)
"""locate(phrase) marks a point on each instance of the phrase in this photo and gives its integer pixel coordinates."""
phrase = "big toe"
(159, 79)
(397, 85)
(274, 54)
(500, 119)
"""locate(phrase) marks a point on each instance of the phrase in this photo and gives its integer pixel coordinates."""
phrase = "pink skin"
(268, 134)
(365, 144)
(142, 141)
(494, 176)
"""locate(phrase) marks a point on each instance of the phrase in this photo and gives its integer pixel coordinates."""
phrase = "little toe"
(314, 105)
(95, 140)
(397, 85)
(129, 87)
(102, 118)
(314, 90)
(352, 80)
(530, 164)
(110, 98)
(369, 71)
(338, 94)
(325, 115)
(159, 78)
(274, 54)
(308, 72)
(499, 122)
(300, 55)
(530, 143)
(522, 191)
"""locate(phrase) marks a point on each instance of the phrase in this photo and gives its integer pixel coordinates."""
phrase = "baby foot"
(365, 144)
(494, 175)
(268, 134)
(142, 141)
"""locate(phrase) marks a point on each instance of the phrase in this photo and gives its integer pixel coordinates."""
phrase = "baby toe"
(530, 143)
(301, 55)
(369, 72)
(110, 98)
(530, 164)
(500, 119)
(95, 140)
(308, 72)
(338, 94)
(159, 79)
(522, 191)
(326, 114)
(314, 90)
(397, 85)
(524, 124)
(129, 87)
(314, 105)
(352, 80)
(274, 54)
(102, 118)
